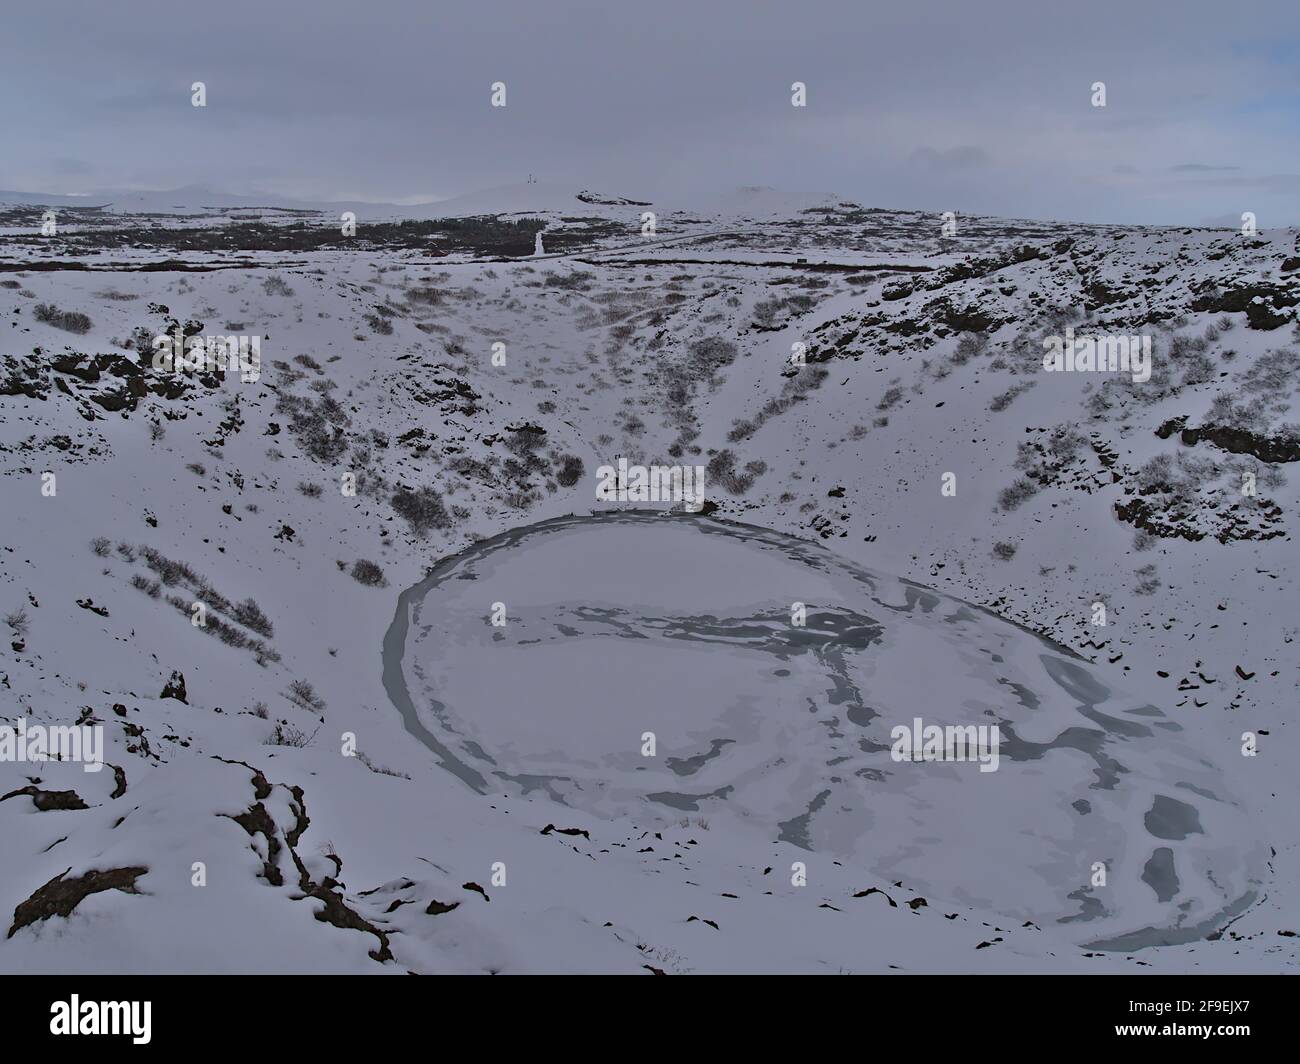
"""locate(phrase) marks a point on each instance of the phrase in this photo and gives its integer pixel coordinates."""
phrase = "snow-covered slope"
(923, 358)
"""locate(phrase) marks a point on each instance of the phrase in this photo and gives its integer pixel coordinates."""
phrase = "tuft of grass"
(380, 769)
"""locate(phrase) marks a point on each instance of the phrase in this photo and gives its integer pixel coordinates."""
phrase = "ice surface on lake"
(624, 623)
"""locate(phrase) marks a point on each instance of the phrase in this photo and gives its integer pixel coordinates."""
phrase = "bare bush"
(571, 469)
(276, 286)
(317, 426)
(1016, 493)
(1148, 583)
(140, 582)
(423, 510)
(428, 297)
(68, 320)
(575, 281)
(721, 469)
(250, 615)
(968, 346)
(890, 398)
(368, 573)
(1001, 402)
(286, 734)
(303, 695)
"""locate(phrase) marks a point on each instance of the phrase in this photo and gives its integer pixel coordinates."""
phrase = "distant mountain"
(521, 198)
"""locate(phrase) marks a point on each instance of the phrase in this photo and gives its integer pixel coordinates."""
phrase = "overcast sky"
(965, 105)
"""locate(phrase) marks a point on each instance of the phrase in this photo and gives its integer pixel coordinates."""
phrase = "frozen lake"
(621, 626)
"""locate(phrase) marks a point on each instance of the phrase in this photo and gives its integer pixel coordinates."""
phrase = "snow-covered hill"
(467, 391)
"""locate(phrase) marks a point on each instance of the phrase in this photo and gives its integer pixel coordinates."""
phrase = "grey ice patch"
(795, 830)
(1171, 819)
(687, 803)
(688, 766)
(1199, 790)
(1159, 874)
(1024, 695)
(1175, 936)
(1074, 681)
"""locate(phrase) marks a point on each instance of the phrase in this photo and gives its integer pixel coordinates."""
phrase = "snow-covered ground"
(285, 814)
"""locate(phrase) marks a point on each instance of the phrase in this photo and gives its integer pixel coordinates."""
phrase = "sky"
(974, 106)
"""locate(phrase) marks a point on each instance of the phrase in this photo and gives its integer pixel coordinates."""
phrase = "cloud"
(946, 160)
(984, 115)
(70, 167)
